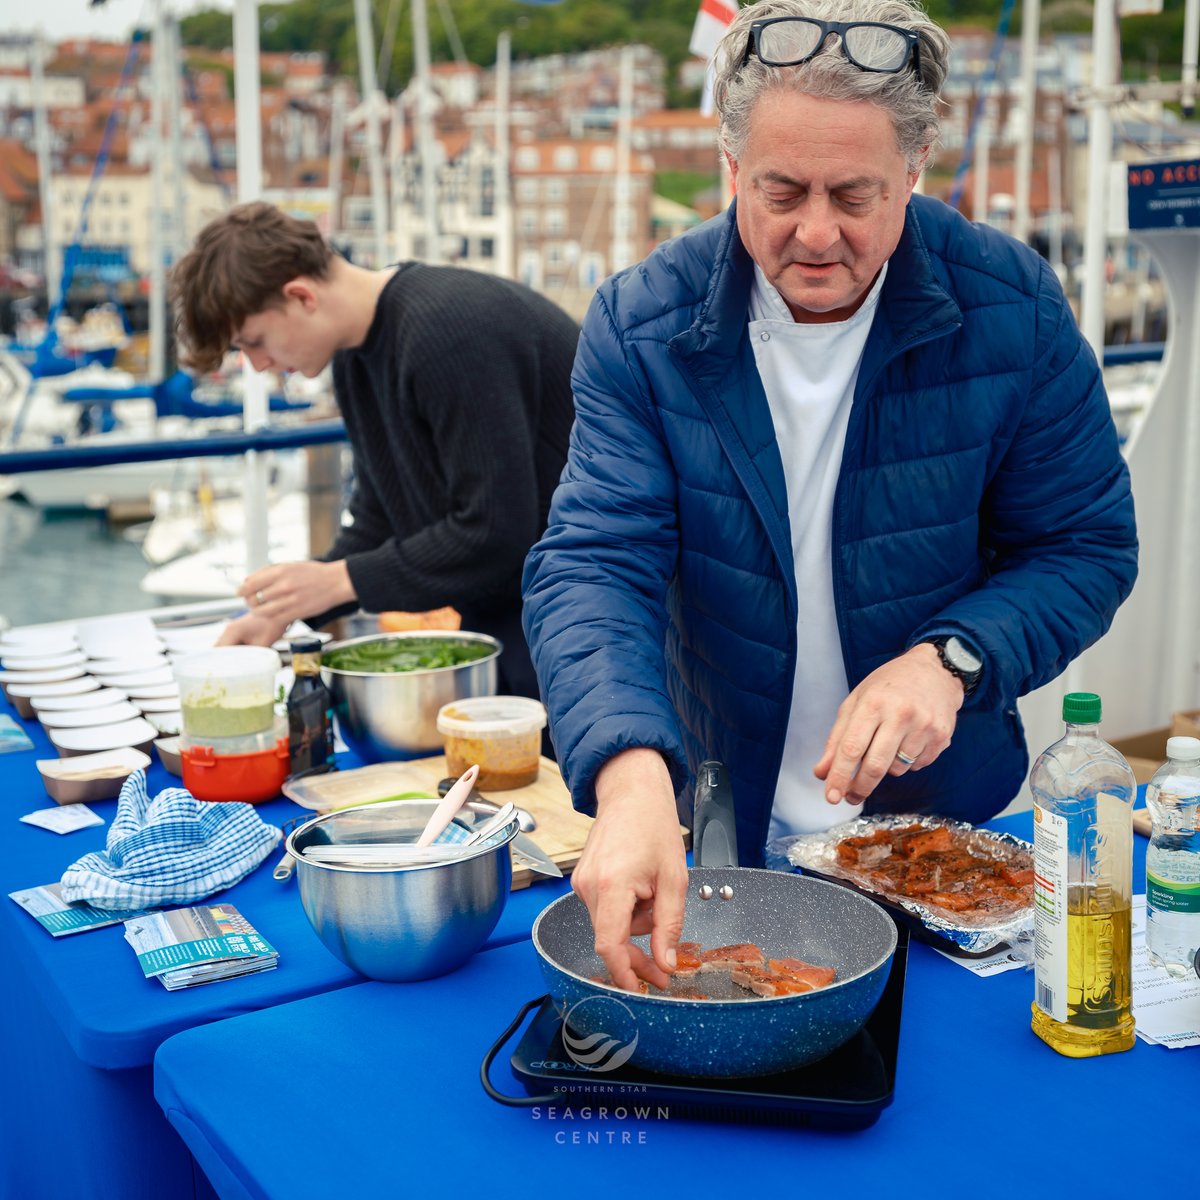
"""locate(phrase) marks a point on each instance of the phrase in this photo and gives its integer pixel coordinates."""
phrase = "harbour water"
(57, 566)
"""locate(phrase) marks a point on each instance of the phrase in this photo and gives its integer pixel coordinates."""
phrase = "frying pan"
(727, 1035)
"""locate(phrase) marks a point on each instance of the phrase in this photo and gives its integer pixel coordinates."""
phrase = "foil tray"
(962, 933)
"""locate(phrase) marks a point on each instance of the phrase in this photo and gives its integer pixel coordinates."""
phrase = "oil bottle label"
(1050, 912)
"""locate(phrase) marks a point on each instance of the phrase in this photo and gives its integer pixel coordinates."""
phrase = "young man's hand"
(287, 592)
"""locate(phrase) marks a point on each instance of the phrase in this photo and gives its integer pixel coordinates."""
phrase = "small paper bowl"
(21, 696)
(71, 743)
(89, 777)
(169, 755)
(100, 698)
(87, 718)
(131, 681)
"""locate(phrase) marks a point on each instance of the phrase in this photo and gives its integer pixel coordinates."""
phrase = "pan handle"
(714, 831)
(490, 1057)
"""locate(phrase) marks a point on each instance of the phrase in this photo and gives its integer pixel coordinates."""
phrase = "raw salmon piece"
(954, 901)
(1017, 876)
(687, 959)
(797, 968)
(927, 841)
(724, 957)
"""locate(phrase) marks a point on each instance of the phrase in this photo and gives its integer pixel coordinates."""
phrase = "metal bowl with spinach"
(387, 688)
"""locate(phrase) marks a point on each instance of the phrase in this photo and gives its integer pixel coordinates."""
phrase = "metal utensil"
(528, 854)
(496, 821)
(287, 864)
(479, 803)
(451, 803)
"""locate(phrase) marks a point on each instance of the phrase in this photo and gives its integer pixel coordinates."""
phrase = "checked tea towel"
(172, 849)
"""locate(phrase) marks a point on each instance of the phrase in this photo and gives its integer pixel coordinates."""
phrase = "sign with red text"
(1164, 195)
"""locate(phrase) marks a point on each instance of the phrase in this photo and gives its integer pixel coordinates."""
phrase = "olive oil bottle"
(1083, 794)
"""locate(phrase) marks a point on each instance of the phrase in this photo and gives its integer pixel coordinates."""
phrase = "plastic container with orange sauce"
(503, 734)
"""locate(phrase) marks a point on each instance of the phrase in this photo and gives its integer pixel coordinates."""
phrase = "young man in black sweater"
(455, 389)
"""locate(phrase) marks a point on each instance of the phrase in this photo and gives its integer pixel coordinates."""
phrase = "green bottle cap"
(1081, 708)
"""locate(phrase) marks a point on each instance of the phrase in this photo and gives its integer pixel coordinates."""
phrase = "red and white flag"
(712, 20)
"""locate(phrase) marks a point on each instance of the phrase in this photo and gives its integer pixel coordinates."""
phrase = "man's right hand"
(633, 873)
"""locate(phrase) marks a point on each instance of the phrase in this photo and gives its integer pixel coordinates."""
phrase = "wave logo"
(598, 1051)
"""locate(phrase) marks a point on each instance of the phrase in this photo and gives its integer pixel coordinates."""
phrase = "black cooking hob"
(848, 1089)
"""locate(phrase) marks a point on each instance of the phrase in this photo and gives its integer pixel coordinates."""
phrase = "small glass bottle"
(310, 729)
(1173, 860)
(1083, 794)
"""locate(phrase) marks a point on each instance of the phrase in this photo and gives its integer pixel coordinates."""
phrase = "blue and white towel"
(173, 849)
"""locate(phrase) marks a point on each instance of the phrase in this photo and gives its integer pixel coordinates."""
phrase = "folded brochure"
(183, 947)
(47, 906)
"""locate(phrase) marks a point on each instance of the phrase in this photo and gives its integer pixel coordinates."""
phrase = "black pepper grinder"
(310, 726)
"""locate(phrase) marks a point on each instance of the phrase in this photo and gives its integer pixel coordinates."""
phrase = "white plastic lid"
(1183, 749)
(229, 664)
(481, 716)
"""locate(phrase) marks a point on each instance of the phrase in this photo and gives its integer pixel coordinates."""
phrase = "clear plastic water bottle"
(1173, 860)
(1083, 794)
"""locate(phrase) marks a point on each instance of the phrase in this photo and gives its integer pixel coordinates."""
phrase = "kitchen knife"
(528, 854)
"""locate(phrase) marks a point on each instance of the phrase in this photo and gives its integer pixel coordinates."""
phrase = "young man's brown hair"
(237, 267)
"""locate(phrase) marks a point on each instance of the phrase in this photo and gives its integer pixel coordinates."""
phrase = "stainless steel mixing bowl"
(400, 923)
(388, 716)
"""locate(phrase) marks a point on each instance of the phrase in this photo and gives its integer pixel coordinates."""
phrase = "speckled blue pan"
(728, 1035)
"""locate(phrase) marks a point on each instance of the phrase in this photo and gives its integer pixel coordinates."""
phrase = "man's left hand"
(289, 591)
(899, 719)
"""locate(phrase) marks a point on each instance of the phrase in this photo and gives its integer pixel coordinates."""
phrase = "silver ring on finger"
(904, 758)
(259, 599)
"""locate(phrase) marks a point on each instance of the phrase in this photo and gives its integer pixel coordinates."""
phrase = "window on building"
(528, 158)
(556, 221)
(566, 158)
(527, 189)
(487, 247)
(556, 189)
(528, 222)
(603, 158)
(591, 270)
(529, 269)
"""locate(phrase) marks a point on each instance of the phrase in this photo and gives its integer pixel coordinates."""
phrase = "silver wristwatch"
(960, 660)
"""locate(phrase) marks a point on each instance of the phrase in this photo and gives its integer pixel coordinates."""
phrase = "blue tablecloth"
(390, 1078)
(81, 1023)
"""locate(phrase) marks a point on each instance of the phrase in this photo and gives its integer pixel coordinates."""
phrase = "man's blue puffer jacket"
(981, 492)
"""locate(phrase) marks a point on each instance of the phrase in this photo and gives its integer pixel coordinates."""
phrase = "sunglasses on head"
(868, 45)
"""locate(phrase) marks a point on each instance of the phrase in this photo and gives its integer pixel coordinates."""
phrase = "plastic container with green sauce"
(228, 691)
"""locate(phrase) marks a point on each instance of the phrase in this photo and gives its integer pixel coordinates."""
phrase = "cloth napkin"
(172, 849)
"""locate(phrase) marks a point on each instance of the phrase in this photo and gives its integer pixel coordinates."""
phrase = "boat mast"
(622, 254)
(1031, 19)
(429, 196)
(248, 126)
(51, 265)
(366, 70)
(502, 183)
(156, 364)
(1091, 303)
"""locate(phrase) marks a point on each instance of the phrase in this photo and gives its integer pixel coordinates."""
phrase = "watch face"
(962, 658)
